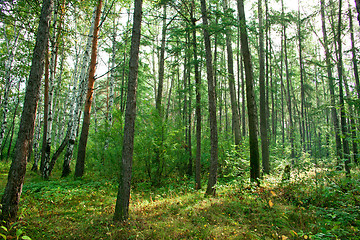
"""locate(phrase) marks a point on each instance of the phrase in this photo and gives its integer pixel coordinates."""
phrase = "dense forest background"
(256, 97)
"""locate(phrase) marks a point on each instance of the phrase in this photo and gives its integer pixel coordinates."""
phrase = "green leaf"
(5, 229)
(26, 237)
(19, 232)
(3, 236)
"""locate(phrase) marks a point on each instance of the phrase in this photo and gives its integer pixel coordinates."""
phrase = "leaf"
(293, 233)
(306, 237)
(19, 232)
(273, 193)
(3, 236)
(283, 237)
(26, 238)
(5, 229)
(271, 204)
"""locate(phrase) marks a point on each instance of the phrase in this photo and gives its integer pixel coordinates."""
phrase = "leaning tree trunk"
(13, 189)
(80, 161)
(210, 190)
(123, 196)
(263, 105)
(251, 104)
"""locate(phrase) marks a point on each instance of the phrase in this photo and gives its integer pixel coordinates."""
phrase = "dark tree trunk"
(210, 190)
(251, 105)
(263, 105)
(231, 78)
(80, 161)
(123, 196)
(12, 193)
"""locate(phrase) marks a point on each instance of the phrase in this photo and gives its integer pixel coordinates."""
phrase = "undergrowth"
(321, 205)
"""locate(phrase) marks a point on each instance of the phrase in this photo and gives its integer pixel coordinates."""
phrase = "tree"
(263, 106)
(123, 196)
(210, 190)
(80, 162)
(231, 77)
(250, 97)
(331, 83)
(13, 189)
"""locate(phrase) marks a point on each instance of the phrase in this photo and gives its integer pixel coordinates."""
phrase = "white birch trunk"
(74, 119)
(52, 70)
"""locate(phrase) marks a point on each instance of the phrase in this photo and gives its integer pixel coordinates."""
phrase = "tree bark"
(13, 189)
(251, 105)
(80, 161)
(123, 196)
(210, 190)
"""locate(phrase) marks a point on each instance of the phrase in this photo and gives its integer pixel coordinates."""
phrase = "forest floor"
(323, 205)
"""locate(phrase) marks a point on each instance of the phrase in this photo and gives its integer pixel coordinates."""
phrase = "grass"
(322, 206)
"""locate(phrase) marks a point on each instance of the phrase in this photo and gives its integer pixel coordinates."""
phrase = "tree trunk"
(46, 106)
(263, 105)
(251, 105)
(12, 193)
(123, 197)
(210, 190)
(231, 78)
(353, 52)
(357, 3)
(344, 127)
(288, 83)
(331, 84)
(198, 103)
(80, 161)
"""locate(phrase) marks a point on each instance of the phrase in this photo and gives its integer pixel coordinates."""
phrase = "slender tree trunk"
(80, 161)
(13, 189)
(198, 103)
(210, 190)
(357, 3)
(344, 127)
(251, 105)
(231, 78)
(288, 83)
(123, 197)
(302, 89)
(36, 141)
(353, 52)
(331, 84)
(50, 115)
(46, 106)
(263, 105)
